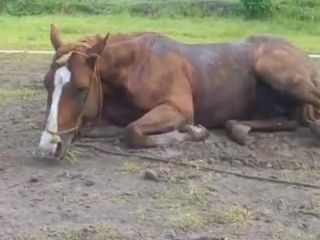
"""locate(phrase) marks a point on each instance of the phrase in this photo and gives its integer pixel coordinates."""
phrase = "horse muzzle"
(53, 146)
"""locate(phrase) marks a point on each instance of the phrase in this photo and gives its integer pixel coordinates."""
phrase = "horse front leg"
(162, 126)
(103, 130)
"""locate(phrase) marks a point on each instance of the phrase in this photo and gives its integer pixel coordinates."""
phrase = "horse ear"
(55, 37)
(99, 46)
(96, 50)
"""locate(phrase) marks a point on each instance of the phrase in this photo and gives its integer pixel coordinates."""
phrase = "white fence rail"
(314, 55)
(51, 52)
(26, 51)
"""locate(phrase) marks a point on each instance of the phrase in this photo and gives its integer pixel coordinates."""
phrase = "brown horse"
(158, 88)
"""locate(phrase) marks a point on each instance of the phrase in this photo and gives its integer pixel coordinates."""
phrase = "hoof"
(197, 133)
(238, 132)
(315, 128)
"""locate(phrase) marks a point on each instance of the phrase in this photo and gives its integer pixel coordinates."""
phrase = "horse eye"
(82, 89)
(81, 93)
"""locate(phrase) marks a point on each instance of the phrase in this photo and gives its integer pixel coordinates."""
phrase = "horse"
(156, 91)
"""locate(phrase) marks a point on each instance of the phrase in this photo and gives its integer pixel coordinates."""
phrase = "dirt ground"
(98, 196)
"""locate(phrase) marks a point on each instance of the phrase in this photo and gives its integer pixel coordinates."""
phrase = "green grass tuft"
(238, 214)
(130, 168)
(99, 231)
(9, 95)
(71, 155)
(189, 208)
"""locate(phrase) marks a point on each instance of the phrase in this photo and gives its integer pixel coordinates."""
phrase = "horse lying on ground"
(157, 90)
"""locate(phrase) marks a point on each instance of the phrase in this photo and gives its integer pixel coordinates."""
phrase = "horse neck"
(121, 53)
(117, 57)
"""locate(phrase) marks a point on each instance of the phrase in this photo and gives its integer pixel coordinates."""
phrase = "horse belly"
(233, 100)
(120, 113)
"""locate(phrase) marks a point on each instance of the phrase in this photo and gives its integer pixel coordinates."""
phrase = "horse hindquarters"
(290, 73)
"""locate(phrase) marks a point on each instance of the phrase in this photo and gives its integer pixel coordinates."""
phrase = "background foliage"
(296, 9)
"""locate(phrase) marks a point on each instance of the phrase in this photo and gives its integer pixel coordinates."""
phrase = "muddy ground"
(92, 195)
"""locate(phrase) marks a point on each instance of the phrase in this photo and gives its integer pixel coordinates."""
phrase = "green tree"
(257, 8)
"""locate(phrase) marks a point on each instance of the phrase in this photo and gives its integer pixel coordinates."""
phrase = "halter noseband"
(96, 78)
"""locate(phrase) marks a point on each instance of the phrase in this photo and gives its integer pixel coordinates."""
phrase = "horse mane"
(65, 51)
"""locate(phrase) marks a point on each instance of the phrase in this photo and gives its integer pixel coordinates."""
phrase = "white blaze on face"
(48, 142)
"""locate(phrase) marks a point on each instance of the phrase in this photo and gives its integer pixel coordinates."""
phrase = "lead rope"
(96, 75)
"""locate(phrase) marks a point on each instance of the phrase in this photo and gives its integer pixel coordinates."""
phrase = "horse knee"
(134, 138)
(131, 135)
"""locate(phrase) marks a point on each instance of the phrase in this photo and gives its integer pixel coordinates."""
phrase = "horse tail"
(310, 114)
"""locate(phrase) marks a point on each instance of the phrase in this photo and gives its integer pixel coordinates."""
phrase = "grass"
(238, 214)
(178, 208)
(130, 167)
(9, 95)
(105, 232)
(98, 231)
(84, 201)
(32, 32)
(33, 236)
(301, 175)
(122, 198)
(71, 155)
(316, 207)
(189, 209)
(281, 233)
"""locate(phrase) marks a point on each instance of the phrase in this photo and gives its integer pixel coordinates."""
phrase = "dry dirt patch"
(99, 196)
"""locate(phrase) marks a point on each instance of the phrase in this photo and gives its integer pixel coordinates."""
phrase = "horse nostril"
(58, 150)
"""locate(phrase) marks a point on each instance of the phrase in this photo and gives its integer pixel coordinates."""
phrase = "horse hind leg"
(310, 97)
(239, 131)
(310, 117)
(301, 87)
(291, 77)
(306, 92)
(284, 72)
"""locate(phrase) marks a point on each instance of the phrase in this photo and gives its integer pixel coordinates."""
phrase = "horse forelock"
(64, 52)
(62, 59)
